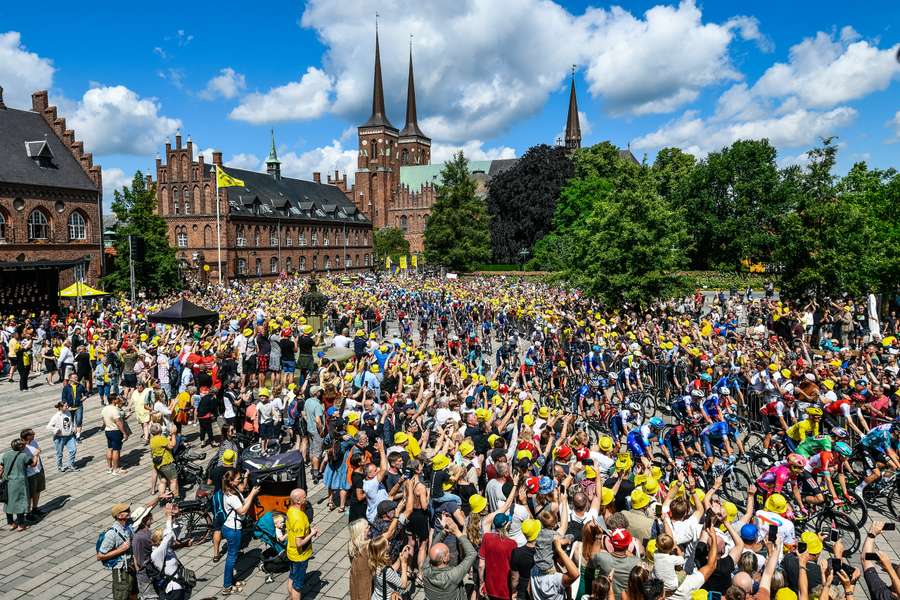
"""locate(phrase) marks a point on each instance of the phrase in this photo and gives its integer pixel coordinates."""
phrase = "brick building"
(271, 226)
(50, 206)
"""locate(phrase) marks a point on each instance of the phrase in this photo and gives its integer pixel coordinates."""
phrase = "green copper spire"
(273, 156)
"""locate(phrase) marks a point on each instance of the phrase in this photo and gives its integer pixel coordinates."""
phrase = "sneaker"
(72, 468)
(62, 469)
(229, 591)
(109, 471)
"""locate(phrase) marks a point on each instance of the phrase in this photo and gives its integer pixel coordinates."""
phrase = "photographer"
(441, 581)
(878, 589)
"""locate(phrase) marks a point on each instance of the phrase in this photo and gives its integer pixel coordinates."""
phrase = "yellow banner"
(415, 261)
(223, 179)
(387, 263)
(403, 262)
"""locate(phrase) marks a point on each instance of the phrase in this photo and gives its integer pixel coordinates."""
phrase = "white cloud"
(113, 179)
(894, 124)
(206, 153)
(115, 120)
(324, 160)
(21, 72)
(473, 150)
(791, 160)
(700, 136)
(300, 100)
(227, 84)
(824, 71)
(247, 161)
(662, 61)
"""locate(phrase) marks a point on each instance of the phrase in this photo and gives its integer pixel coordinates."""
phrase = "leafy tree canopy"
(390, 241)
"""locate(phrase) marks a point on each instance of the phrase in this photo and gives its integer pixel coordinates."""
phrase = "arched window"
(38, 225)
(207, 193)
(273, 265)
(288, 238)
(176, 201)
(302, 263)
(325, 240)
(164, 201)
(289, 265)
(242, 266)
(2, 226)
(201, 205)
(404, 222)
(241, 236)
(357, 260)
(366, 257)
(348, 262)
(315, 237)
(185, 173)
(207, 236)
(404, 157)
(337, 261)
(315, 263)
(301, 239)
(327, 264)
(258, 267)
(77, 226)
(181, 236)
(187, 201)
(273, 235)
(256, 237)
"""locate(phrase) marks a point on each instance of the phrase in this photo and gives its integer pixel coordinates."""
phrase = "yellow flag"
(387, 263)
(223, 179)
(403, 262)
(415, 261)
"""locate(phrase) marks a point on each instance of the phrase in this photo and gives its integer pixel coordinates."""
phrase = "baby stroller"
(274, 557)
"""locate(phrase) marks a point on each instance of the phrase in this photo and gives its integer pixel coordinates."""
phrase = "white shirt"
(30, 450)
(341, 341)
(231, 503)
(61, 424)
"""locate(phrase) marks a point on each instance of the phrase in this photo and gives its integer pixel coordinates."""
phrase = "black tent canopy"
(184, 312)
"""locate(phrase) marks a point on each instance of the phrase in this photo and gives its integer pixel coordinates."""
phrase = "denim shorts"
(114, 440)
(288, 366)
(266, 431)
(298, 574)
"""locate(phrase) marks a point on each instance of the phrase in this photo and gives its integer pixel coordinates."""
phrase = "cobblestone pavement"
(55, 558)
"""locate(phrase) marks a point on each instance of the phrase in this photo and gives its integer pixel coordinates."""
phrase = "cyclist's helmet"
(796, 460)
(724, 391)
(657, 423)
(697, 393)
(840, 433)
(705, 377)
(595, 348)
(843, 449)
(731, 419)
(814, 411)
(561, 364)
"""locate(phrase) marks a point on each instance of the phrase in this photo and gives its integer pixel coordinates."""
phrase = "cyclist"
(825, 462)
(720, 434)
(798, 432)
(775, 421)
(879, 448)
(640, 439)
(711, 407)
(773, 480)
(676, 442)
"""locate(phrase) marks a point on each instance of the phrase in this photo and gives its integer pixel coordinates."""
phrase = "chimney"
(217, 158)
(2, 106)
(190, 148)
(39, 101)
(317, 177)
(178, 141)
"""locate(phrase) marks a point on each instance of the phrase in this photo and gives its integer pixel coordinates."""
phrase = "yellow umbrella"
(80, 289)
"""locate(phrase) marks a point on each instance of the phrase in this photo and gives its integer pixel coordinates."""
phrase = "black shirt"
(720, 579)
(791, 567)
(304, 345)
(357, 507)
(287, 348)
(521, 561)
(216, 474)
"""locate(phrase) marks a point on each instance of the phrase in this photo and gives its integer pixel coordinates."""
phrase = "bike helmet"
(705, 377)
(724, 391)
(840, 433)
(729, 418)
(561, 364)
(595, 348)
(796, 461)
(657, 423)
(843, 449)
(814, 411)
(697, 393)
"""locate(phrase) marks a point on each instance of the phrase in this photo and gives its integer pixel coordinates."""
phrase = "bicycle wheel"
(893, 501)
(734, 487)
(193, 525)
(827, 520)
(856, 509)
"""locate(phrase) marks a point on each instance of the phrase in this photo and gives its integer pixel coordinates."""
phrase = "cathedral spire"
(379, 115)
(273, 165)
(412, 124)
(573, 126)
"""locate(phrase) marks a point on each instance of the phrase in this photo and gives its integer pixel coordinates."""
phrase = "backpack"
(183, 576)
(112, 562)
(292, 413)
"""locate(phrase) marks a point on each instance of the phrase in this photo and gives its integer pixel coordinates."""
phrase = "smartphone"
(773, 533)
(835, 565)
(889, 527)
(801, 547)
(871, 556)
(833, 536)
(710, 516)
(659, 511)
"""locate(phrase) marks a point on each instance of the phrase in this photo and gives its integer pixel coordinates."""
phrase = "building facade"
(50, 201)
(273, 225)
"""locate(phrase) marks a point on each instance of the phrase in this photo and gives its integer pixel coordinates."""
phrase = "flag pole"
(218, 229)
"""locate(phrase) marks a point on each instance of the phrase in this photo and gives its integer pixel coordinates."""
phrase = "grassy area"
(716, 280)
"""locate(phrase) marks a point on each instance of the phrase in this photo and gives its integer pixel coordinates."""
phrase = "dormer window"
(40, 153)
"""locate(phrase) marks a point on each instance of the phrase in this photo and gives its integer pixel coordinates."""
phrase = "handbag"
(4, 483)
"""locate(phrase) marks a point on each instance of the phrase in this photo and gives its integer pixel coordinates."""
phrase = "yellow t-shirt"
(297, 527)
(159, 446)
(412, 447)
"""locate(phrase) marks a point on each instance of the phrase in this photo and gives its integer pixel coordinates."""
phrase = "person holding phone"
(236, 505)
(878, 589)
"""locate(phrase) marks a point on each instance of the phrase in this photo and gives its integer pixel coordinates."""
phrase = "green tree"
(390, 241)
(135, 208)
(630, 246)
(829, 242)
(734, 201)
(521, 200)
(673, 169)
(457, 233)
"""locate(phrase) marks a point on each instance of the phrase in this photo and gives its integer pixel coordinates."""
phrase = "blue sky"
(491, 76)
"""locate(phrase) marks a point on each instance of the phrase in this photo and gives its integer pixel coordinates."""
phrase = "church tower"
(573, 126)
(415, 147)
(273, 165)
(378, 162)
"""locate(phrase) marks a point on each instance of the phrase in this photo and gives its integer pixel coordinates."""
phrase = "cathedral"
(395, 180)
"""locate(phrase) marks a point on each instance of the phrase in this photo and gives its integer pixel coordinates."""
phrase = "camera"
(407, 473)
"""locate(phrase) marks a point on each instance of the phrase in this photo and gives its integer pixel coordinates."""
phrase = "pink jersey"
(774, 478)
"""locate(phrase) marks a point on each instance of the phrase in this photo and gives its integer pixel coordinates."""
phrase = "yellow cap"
(263, 391)
(528, 420)
(495, 384)
(731, 510)
(523, 454)
(605, 443)
(530, 529)
(543, 412)
(639, 499)
(492, 438)
(352, 417)
(247, 332)
(651, 486)
(776, 503)
(699, 595)
(466, 447)
(440, 462)
(651, 547)
(374, 369)
(606, 496)
(477, 503)
(401, 438)
(786, 594)
(813, 542)
(589, 472)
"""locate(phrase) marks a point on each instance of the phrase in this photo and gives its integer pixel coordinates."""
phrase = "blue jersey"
(711, 406)
(879, 438)
(718, 430)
